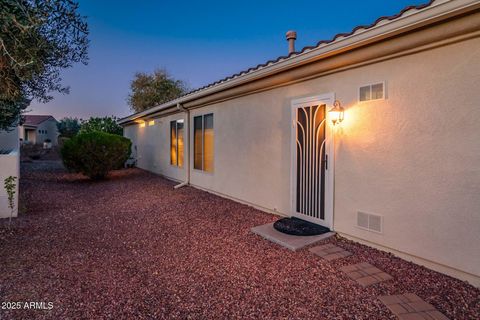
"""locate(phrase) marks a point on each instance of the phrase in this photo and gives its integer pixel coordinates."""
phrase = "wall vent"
(370, 92)
(370, 222)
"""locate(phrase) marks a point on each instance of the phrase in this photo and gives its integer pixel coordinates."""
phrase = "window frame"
(202, 170)
(176, 144)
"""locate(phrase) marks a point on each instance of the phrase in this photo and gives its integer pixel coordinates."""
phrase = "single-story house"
(38, 128)
(401, 172)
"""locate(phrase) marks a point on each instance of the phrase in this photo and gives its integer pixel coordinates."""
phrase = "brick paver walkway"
(409, 306)
(366, 274)
(330, 252)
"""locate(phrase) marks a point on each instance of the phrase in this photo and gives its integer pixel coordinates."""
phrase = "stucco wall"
(151, 147)
(412, 158)
(9, 166)
(52, 132)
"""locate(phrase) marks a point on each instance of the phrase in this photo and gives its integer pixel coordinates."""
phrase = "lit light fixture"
(336, 113)
(142, 124)
(151, 122)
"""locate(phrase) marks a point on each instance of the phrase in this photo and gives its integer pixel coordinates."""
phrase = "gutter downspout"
(187, 179)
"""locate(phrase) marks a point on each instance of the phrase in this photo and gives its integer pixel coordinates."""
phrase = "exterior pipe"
(187, 173)
(291, 37)
(183, 184)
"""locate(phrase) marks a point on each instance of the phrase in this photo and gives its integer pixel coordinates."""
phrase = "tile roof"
(319, 44)
(34, 120)
(361, 28)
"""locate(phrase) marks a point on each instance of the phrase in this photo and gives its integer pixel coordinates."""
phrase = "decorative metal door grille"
(311, 161)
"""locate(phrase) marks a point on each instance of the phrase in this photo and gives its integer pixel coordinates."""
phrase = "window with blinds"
(203, 144)
(176, 143)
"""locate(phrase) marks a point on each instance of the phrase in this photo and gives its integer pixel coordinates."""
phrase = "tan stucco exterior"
(151, 147)
(412, 158)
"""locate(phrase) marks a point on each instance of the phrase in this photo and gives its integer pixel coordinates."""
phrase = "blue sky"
(196, 41)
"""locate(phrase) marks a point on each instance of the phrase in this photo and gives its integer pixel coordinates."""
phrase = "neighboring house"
(37, 128)
(401, 172)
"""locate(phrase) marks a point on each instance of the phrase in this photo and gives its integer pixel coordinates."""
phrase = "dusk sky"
(196, 41)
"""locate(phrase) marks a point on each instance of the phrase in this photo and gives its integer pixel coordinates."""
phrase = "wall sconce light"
(336, 113)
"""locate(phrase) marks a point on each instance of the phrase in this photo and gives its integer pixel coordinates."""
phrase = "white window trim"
(170, 140)
(202, 171)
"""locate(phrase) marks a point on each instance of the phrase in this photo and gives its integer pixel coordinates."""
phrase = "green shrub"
(95, 153)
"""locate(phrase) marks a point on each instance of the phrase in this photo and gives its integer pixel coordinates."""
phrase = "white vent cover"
(369, 92)
(370, 222)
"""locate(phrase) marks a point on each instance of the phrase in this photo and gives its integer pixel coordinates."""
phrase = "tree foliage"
(11, 111)
(149, 90)
(95, 153)
(38, 38)
(105, 124)
(68, 127)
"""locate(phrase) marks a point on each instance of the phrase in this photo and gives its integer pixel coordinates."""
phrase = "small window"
(372, 92)
(176, 143)
(45, 131)
(203, 145)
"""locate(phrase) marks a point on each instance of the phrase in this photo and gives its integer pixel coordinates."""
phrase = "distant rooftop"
(35, 120)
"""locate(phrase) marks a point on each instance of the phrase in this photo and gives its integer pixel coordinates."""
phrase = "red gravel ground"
(132, 247)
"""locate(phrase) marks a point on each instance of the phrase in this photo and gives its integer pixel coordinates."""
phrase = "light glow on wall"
(353, 118)
(142, 124)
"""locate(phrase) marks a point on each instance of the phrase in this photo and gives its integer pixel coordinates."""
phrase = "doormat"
(299, 227)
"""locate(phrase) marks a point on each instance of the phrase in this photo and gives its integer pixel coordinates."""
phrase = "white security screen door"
(311, 180)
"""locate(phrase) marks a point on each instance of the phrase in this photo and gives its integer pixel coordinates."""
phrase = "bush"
(95, 153)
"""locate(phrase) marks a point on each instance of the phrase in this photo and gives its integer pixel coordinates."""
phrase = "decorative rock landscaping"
(131, 247)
